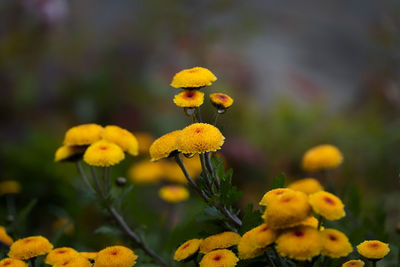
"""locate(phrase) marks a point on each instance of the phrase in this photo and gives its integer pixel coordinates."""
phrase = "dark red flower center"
(373, 245)
(103, 147)
(61, 251)
(333, 238)
(298, 233)
(222, 97)
(265, 228)
(190, 94)
(217, 258)
(329, 200)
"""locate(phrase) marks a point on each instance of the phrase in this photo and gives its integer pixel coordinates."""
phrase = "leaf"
(108, 230)
(210, 214)
(251, 219)
(22, 217)
(279, 181)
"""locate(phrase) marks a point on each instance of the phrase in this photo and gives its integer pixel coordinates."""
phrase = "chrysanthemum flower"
(146, 172)
(60, 254)
(103, 153)
(199, 138)
(336, 244)
(322, 157)
(287, 210)
(221, 240)
(219, 258)
(173, 193)
(89, 255)
(123, 138)
(116, 256)
(373, 249)
(310, 221)
(246, 248)
(187, 249)
(4, 237)
(353, 263)
(306, 185)
(164, 146)
(271, 195)
(77, 261)
(262, 236)
(84, 134)
(145, 140)
(327, 205)
(193, 78)
(189, 99)
(8, 262)
(69, 153)
(9, 187)
(300, 243)
(221, 101)
(30, 247)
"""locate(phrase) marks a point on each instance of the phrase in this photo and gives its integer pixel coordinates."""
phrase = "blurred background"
(301, 73)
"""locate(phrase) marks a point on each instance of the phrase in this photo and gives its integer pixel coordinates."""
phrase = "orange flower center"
(373, 245)
(197, 130)
(298, 233)
(193, 71)
(61, 251)
(103, 147)
(7, 263)
(186, 245)
(265, 228)
(190, 95)
(333, 238)
(222, 97)
(329, 201)
(217, 258)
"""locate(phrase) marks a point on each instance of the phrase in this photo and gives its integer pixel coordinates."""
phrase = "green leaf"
(21, 219)
(210, 214)
(251, 219)
(279, 181)
(107, 230)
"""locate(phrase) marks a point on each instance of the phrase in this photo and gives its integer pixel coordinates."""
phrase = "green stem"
(106, 180)
(198, 114)
(84, 178)
(374, 263)
(320, 219)
(216, 119)
(281, 263)
(33, 262)
(205, 173)
(96, 182)
(271, 262)
(211, 170)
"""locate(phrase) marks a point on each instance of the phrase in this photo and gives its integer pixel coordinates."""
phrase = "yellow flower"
(173, 193)
(300, 243)
(9, 187)
(307, 185)
(4, 237)
(287, 210)
(327, 205)
(200, 138)
(246, 248)
(30, 247)
(373, 249)
(146, 172)
(84, 134)
(336, 244)
(353, 263)
(187, 249)
(116, 256)
(221, 101)
(219, 258)
(59, 255)
(8, 262)
(103, 154)
(174, 174)
(89, 255)
(193, 78)
(322, 157)
(77, 261)
(221, 240)
(164, 146)
(145, 140)
(189, 99)
(69, 153)
(123, 138)
(262, 236)
(64, 224)
(310, 221)
(271, 195)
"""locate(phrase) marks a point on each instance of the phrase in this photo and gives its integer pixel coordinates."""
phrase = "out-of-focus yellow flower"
(246, 248)
(300, 243)
(373, 249)
(336, 244)
(123, 138)
(9, 187)
(30, 247)
(287, 210)
(69, 153)
(84, 134)
(353, 263)
(306, 185)
(173, 173)
(219, 258)
(221, 240)
(189, 99)
(221, 101)
(4, 237)
(115, 256)
(322, 157)
(89, 255)
(199, 138)
(77, 261)
(103, 153)
(327, 205)
(145, 140)
(173, 193)
(64, 223)
(59, 255)
(193, 78)
(262, 236)
(146, 172)
(271, 195)
(8, 262)
(187, 249)
(164, 146)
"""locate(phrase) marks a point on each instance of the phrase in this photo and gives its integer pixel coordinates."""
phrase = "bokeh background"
(301, 73)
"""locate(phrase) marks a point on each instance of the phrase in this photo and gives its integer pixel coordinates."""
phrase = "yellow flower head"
(8, 262)
(173, 193)
(69, 153)
(189, 99)
(287, 210)
(307, 185)
(373, 249)
(300, 243)
(187, 249)
(262, 236)
(322, 157)
(103, 153)
(200, 138)
(116, 256)
(84, 134)
(146, 172)
(246, 248)
(327, 205)
(64, 224)
(123, 138)
(193, 78)
(76, 261)
(89, 255)
(164, 146)
(145, 140)
(310, 221)
(336, 244)
(271, 195)
(219, 258)
(353, 263)
(30, 247)
(4, 237)
(9, 187)
(221, 240)
(59, 255)
(221, 101)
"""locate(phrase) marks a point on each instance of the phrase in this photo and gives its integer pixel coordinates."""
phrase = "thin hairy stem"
(206, 175)
(270, 261)
(84, 178)
(211, 170)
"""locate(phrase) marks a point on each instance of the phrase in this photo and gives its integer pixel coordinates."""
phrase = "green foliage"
(278, 181)
(251, 219)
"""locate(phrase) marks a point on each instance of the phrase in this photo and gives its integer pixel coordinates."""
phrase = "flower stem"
(374, 263)
(269, 259)
(211, 170)
(320, 219)
(84, 178)
(33, 262)
(205, 173)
